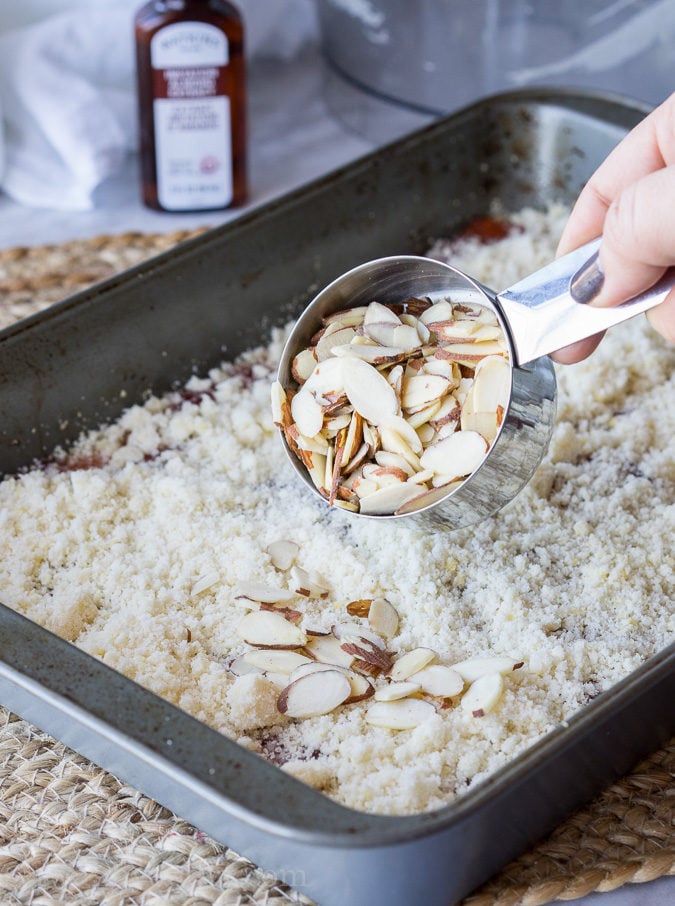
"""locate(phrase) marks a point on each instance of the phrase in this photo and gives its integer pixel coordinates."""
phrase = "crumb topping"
(147, 543)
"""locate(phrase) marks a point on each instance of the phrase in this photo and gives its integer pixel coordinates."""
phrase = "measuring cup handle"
(543, 316)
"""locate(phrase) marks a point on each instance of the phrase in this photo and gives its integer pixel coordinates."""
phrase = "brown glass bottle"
(192, 104)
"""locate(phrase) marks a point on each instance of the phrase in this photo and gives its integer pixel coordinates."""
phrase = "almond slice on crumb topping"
(395, 691)
(267, 594)
(360, 608)
(362, 688)
(354, 632)
(483, 694)
(276, 661)
(204, 583)
(314, 694)
(309, 584)
(241, 667)
(282, 554)
(439, 681)
(327, 650)
(314, 667)
(409, 663)
(266, 629)
(475, 667)
(404, 714)
(383, 618)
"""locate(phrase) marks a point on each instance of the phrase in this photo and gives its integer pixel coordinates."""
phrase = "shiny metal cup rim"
(392, 279)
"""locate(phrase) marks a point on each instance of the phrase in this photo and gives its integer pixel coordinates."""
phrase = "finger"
(638, 239)
(648, 147)
(662, 318)
(569, 355)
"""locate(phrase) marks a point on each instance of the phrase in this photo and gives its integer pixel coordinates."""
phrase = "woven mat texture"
(72, 833)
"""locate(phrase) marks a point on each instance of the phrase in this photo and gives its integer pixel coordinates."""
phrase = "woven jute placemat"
(73, 833)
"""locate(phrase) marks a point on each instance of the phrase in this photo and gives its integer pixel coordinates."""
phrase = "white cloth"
(68, 100)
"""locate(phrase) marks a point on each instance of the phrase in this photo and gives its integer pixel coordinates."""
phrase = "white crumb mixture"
(575, 577)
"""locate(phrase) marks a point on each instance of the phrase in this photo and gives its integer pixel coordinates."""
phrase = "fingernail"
(587, 282)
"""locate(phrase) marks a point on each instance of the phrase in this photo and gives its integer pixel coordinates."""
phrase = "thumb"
(638, 245)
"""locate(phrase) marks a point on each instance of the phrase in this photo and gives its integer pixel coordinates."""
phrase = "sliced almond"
(424, 415)
(448, 411)
(393, 460)
(469, 354)
(397, 425)
(361, 686)
(364, 487)
(348, 317)
(317, 472)
(204, 583)
(339, 337)
(405, 714)
(453, 331)
(475, 667)
(439, 680)
(307, 413)
(375, 355)
(439, 311)
(491, 384)
(409, 663)
(483, 694)
(276, 661)
(267, 629)
(326, 379)
(241, 667)
(388, 499)
(358, 459)
(376, 313)
(394, 691)
(327, 650)
(459, 455)
(314, 694)
(347, 631)
(369, 393)
(313, 667)
(426, 498)
(422, 389)
(353, 439)
(269, 594)
(383, 618)
(427, 434)
(282, 554)
(360, 608)
(316, 444)
(484, 423)
(367, 653)
(309, 584)
(304, 364)
(278, 396)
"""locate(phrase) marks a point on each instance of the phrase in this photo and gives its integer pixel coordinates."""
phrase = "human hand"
(630, 200)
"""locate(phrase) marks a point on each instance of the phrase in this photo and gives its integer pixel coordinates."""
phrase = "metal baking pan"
(64, 369)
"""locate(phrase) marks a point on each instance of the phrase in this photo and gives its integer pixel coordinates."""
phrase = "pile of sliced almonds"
(317, 671)
(396, 405)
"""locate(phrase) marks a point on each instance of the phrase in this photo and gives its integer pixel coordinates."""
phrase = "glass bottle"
(192, 104)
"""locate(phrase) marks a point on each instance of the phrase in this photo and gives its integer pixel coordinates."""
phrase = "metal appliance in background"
(394, 64)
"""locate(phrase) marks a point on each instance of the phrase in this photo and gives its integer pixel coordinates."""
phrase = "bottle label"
(192, 117)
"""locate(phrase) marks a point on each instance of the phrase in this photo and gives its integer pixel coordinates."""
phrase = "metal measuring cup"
(538, 316)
